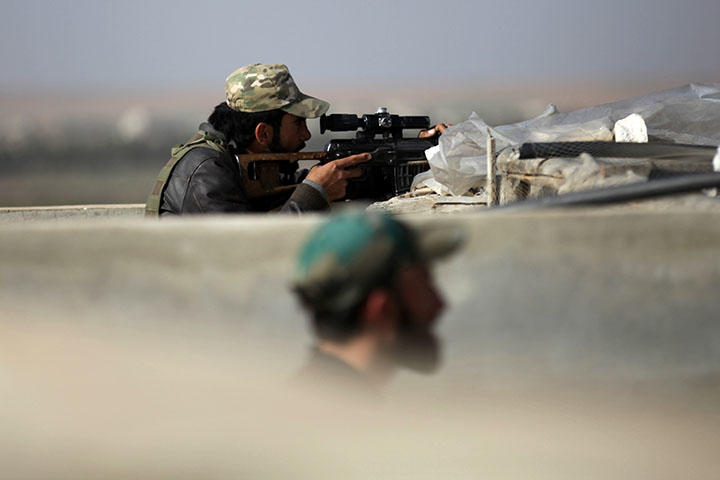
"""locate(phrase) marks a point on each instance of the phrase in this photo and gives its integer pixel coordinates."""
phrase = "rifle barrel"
(288, 157)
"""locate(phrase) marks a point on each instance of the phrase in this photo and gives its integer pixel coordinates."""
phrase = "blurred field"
(77, 186)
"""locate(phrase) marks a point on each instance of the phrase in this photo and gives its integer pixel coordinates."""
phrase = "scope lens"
(339, 122)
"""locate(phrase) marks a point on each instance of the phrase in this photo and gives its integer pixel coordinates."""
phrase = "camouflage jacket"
(203, 177)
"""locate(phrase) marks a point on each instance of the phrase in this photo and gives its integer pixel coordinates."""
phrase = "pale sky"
(131, 43)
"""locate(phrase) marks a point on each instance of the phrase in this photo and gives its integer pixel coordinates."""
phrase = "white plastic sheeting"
(458, 161)
(631, 129)
(689, 114)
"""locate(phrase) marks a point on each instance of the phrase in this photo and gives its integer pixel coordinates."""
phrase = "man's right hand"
(333, 175)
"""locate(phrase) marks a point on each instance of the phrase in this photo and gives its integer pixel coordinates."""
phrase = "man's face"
(417, 292)
(292, 135)
(420, 304)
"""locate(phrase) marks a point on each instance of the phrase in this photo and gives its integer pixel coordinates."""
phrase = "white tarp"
(689, 114)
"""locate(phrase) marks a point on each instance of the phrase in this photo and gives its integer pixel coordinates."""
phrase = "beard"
(417, 347)
(277, 147)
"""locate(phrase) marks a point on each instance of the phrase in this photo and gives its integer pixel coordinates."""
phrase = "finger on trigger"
(353, 159)
(352, 173)
(362, 157)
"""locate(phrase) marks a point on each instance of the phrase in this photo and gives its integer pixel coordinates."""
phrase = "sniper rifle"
(395, 159)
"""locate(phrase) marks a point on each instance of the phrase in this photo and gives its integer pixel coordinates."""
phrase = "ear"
(380, 314)
(264, 134)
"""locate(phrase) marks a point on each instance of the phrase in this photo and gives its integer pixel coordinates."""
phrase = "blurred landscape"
(94, 94)
(100, 146)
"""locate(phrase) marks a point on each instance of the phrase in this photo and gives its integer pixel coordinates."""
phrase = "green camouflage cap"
(260, 87)
(353, 253)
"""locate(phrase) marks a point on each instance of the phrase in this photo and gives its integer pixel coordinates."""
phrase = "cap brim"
(435, 242)
(307, 107)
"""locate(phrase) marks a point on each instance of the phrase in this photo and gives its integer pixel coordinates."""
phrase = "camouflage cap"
(260, 87)
(351, 254)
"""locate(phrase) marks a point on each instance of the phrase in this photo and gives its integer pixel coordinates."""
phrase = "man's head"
(366, 276)
(265, 111)
(261, 87)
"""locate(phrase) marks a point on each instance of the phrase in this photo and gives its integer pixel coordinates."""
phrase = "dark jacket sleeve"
(305, 199)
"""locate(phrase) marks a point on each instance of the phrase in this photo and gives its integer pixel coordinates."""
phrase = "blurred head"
(368, 274)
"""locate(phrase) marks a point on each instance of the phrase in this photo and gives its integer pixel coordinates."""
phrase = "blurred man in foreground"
(366, 283)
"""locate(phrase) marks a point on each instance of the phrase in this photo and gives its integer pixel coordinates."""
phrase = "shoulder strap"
(201, 139)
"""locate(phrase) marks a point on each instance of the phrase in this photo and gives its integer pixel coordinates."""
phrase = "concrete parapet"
(577, 343)
(66, 212)
(632, 293)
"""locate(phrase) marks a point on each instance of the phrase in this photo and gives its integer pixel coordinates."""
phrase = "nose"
(439, 301)
(306, 133)
(434, 306)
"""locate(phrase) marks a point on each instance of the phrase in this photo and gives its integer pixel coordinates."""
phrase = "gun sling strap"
(201, 139)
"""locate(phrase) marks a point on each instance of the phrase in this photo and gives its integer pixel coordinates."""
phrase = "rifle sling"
(152, 207)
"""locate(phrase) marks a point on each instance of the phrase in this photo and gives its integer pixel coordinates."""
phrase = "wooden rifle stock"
(261, 172)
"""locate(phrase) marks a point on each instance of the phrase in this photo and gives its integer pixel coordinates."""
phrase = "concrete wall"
(69, 212)
(632, 294)
(617, 309)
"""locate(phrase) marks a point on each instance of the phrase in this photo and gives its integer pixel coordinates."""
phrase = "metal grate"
(404, 174)
(616, 150)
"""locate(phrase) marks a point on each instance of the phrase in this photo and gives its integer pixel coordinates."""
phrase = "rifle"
(395, 159)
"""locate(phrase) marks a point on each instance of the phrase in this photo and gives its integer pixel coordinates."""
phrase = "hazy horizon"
(102, 44)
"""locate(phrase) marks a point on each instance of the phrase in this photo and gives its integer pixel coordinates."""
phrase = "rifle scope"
(379, 122)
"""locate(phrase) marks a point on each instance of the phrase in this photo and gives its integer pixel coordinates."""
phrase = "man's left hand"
(435, 131)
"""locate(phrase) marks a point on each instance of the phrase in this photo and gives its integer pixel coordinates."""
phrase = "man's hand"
(333, 175)
(437, 130)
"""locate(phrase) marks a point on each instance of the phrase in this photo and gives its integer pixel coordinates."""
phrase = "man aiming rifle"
(243, 159)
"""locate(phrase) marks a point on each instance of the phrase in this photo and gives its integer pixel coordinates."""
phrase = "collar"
(213, 135)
